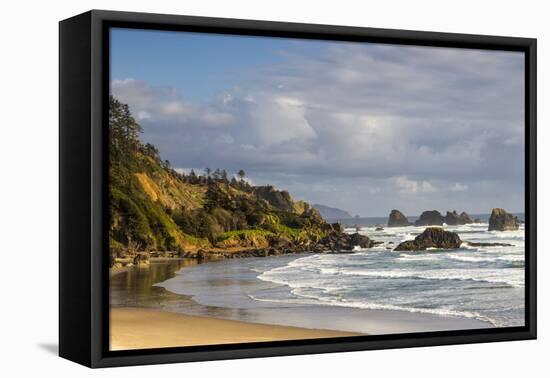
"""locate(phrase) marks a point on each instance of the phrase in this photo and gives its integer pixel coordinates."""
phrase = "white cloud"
(419, 120)
(408, 186)
(143, 115)
(156, 104)
(457, 187)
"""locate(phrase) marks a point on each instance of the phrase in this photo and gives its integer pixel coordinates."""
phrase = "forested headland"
(155, 209)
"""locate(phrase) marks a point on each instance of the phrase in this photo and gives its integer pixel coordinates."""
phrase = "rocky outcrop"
(397, 219)
(454, 219)
(475, 244)
(432, 237)
(430, 218)
(141, 259)
(337, 227)
(500, 220)
(465, 218)
(345, 242)
(279, 199)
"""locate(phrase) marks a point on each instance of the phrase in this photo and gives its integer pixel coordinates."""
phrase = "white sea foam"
(487, 258)
(312, 300)
(360, 279)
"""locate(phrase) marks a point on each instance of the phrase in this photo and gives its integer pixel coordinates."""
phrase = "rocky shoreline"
(335, 241)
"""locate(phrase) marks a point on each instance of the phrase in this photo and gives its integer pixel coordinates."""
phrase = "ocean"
(486, 284)
(382, 221)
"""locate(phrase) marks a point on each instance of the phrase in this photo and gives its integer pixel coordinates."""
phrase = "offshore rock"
(432, 237)
(397, 219)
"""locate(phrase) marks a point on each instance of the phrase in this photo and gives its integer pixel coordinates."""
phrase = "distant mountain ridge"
(328, 212)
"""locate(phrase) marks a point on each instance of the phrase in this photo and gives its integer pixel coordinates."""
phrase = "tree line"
(124, 142)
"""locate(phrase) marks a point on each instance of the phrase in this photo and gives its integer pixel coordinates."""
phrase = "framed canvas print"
(234, 188)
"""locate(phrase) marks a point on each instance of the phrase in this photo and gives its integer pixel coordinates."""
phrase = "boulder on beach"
(430, 218)
(432, 237)
(501, 220)
(397, 219)
(141, 259)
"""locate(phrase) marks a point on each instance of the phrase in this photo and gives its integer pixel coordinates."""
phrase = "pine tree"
(224, 177)
(124, 130)
(193, 177)
(241, 174)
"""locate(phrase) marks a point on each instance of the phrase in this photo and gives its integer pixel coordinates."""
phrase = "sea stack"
(465, 218)
(397, 219)
(432, 237)
(430, 218)
(454, 219)
(501, 220)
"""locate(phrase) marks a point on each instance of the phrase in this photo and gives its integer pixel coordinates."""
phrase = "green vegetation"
(155, 208)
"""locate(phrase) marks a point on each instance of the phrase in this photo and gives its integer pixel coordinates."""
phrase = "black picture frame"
(83, 197)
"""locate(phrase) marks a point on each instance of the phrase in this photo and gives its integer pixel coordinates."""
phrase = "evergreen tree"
(241, 174)
(224, 177)
(193, 177)
(242, 184)
(124, 130)
(217, 175)
(151, 150)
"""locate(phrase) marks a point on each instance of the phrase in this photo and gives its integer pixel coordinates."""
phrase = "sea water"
(483, 283)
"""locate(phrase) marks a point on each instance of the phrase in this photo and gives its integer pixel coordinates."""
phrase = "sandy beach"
(146, 311)
(133, 328)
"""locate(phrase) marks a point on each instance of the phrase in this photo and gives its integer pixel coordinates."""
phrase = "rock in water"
(454, 219)
(500, 220)
(345, 242)
(397, 219)
(465, 218)
(432, 237)
(474, 244)
(430, 218)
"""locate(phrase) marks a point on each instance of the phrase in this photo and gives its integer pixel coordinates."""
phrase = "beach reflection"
(133, 287)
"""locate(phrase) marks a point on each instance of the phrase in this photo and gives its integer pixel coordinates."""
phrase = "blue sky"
(362, 127)
(200, 64)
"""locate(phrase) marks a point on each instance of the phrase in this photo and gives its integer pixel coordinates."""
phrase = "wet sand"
(133, 328)
(144, 315)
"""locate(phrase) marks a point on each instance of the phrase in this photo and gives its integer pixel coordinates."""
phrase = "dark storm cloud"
(387, 125)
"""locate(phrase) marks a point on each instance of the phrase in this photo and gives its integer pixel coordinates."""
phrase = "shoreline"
(136, 328)
(341, 321)
(318, 316)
